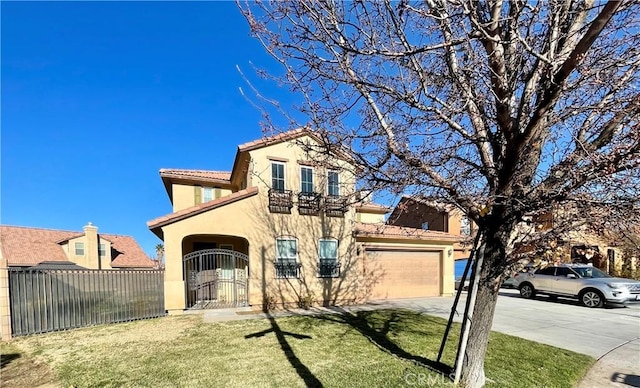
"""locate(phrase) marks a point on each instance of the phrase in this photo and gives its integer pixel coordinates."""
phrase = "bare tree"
(503, 109)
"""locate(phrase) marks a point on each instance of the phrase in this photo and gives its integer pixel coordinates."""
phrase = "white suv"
(591, 286)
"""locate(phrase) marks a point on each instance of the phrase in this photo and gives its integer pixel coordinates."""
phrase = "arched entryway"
(216, 271)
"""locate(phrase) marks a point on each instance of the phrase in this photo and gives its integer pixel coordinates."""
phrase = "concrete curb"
(620, 367)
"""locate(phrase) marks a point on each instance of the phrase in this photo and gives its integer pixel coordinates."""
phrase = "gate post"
(5, 310)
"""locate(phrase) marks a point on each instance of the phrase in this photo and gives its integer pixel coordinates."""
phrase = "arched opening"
(216, 271)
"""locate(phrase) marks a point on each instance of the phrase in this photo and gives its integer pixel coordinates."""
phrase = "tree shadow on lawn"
(305, 374)
(6, 359)
(365, 324)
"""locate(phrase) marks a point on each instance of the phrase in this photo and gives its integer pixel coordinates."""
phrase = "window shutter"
(197, 195)
(216, 194)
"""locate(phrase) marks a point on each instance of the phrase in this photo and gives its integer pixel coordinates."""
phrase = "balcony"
(287, 269)
(309, 203)
(280, 201)
(328, 268)
(335, 206)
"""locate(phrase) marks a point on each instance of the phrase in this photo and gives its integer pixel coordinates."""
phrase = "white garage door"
(403, 274)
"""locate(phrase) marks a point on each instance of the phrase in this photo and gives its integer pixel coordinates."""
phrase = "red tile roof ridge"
(194, 170)
(277, 138)
(202, 174)
(40, 228)
(394, 230)
(373, 206)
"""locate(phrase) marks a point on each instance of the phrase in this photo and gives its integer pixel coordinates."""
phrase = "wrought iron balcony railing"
(328, 268)
(309, 203)
(335, 206)
(287, 268)
(280, 201)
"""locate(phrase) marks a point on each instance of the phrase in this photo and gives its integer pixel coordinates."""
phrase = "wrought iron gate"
(216, 278)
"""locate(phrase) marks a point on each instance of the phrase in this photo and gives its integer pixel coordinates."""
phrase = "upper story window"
(206, 194)
(306, 179)
(277, 176)
(333, 183)
(210, 193)
(79, 248)
(102, 250)
(465, 226)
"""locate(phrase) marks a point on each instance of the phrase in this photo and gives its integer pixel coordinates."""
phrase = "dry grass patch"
(19, 369)
(374, 348)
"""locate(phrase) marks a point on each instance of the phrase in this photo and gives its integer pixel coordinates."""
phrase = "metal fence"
(51, 300)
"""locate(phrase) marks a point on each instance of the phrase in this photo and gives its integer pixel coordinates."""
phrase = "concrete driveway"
(562, 323)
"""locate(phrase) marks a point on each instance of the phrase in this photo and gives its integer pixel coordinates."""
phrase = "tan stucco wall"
(293, 153)
(250, 219)
(91, 258)
(5, 310)
(105, 261)
(184, 195)
(370, 218)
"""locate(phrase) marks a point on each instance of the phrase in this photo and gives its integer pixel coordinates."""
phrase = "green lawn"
(368, 349)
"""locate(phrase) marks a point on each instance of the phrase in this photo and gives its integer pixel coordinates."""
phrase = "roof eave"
(157, 223)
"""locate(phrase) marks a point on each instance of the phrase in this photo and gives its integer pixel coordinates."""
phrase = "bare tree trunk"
(473, 366)
(484, 307)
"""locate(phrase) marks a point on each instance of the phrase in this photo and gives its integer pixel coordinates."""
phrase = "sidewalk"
(618, 368)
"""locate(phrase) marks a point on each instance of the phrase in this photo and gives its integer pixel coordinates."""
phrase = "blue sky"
(98, 96)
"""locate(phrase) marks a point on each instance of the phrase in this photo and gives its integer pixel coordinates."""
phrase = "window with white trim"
(333, 183)
(328, 266)
(102, 250)
(277, 176)
(208, 194)
(306, 179)
(79, 248)
(286, 264)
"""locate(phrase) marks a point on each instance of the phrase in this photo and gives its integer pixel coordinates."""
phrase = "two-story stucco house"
(282, 227)
(25, 247)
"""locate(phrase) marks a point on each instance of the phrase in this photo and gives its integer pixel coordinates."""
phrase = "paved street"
(561, 323)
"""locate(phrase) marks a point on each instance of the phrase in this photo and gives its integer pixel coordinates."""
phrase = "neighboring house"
(415, 212)
(580, 242)
(25, 247)
(577, 244)
(283, 227)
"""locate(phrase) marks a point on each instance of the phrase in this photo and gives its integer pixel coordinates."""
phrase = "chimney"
(92, 258)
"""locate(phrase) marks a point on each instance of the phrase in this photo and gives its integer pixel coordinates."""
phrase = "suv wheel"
(591, 298)
(527, 291)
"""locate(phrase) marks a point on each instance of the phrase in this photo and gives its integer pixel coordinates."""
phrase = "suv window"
(564, 271)
(546, 271)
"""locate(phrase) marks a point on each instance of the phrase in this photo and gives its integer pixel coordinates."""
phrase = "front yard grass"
(365, 349)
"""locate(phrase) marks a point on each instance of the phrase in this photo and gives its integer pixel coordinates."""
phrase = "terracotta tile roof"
(279, 138)
(23, 246)
(128, 253)
(192, 211)
(372, 208)
(30, 246)
(400, 232)
(195, 174)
